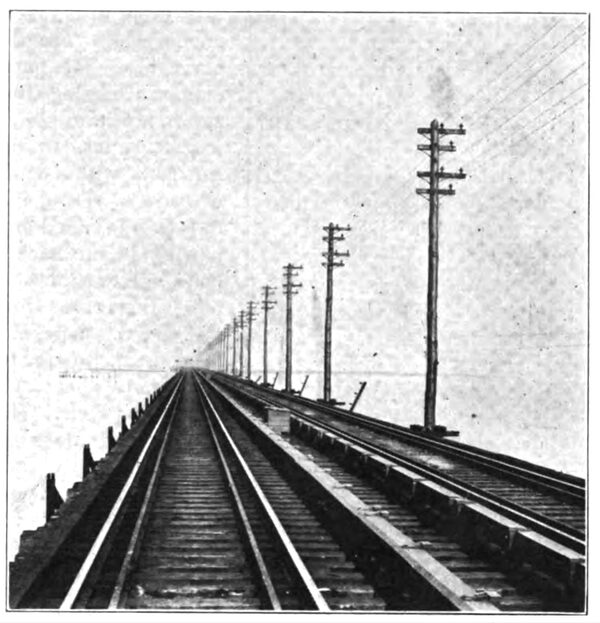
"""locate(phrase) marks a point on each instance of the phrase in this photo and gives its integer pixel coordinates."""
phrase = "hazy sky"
(166, 166)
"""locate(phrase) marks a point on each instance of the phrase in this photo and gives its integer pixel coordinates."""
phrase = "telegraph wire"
(517, 58)
(487, 137)
(528, 79)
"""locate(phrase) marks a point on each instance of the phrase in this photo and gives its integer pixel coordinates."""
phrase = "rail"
(554, 529)
(82, 574)
(295, 564)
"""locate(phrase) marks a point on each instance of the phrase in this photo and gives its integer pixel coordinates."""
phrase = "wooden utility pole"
(227, 332)
(250, 315)
(222, 366)
(267, 304)
(221, 350)
(289, 288)
(220, 343)
(331, 254)
(433, 176)
(242, 324)
(234, 359)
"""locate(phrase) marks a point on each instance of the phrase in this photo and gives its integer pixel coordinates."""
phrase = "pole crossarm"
(443, 175)
(441, 130)
(428, 147)
(436, 191)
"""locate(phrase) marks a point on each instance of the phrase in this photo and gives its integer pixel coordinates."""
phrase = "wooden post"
(111, 439)
(53, 497)
(358, 395)
(88, 460)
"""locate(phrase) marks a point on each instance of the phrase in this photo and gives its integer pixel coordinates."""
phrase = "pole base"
(332, 402)
(436, 431)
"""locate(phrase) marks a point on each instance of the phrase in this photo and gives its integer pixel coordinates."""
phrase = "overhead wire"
(488, 137)
(513, 115)
(555, 118)
(528, 79)
(517, 58)
(540, 96)
(488, 94)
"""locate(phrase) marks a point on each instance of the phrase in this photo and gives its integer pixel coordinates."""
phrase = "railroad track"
(551, 503)
(196, 541)
(204, 521)
(212, 509)
(510, 587)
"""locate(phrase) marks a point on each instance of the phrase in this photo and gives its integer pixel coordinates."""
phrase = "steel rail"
(306, 580)
(551, 528)
(85, 568)
(564, 484)
(265, 576)
(132, 548)
(556, 530)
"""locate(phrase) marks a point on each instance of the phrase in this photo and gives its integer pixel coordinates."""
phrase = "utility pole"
(433, 176)
(227, 331)
(250, 315)
(289, 288)
(242, 324)
(222, 366)
(217, 346)
(331, 254)
(233, 359)
(221, 349)
(267, 304)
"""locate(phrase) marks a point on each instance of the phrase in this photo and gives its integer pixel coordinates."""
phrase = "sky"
(164, 167)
